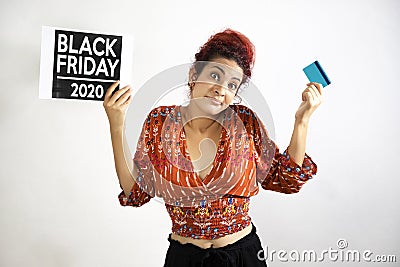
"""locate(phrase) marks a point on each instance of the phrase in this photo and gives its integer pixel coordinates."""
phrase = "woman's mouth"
(214, 101)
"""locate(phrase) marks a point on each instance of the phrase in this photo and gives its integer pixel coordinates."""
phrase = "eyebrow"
(223, 72)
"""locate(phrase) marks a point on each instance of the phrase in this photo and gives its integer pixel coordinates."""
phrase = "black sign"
(85, 64)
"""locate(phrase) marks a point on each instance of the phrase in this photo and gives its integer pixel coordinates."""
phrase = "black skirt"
(246, 252)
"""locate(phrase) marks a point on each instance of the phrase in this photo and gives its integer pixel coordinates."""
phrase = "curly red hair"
(230, 44)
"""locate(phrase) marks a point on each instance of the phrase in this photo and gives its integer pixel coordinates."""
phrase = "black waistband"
(221, 256)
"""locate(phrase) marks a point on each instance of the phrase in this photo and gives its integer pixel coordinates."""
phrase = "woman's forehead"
(228, 67)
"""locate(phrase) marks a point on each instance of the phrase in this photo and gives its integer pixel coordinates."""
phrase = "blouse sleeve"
(142, 190)
(276, 171)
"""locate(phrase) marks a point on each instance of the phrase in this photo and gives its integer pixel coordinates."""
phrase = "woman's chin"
(206, 107)
(213, 109)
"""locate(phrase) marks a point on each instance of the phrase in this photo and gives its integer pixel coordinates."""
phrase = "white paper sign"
(81, 65)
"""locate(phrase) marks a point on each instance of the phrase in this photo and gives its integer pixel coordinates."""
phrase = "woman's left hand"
(312, 98)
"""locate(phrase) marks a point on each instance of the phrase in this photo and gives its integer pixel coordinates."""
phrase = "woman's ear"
(192, 75)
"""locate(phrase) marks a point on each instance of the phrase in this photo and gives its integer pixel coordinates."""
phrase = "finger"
(318, 91)
(124, 97)
(307, 96)
(312, 85)
(314, 91)
(110, 90)
(128, 101)
(310, 90)
(305, 93)
(318, 86)
(118, 94)
(314, 88)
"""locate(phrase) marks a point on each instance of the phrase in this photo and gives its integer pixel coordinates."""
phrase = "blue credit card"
(315, 73)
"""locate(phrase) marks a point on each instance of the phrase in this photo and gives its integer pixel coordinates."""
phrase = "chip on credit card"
(315, 73)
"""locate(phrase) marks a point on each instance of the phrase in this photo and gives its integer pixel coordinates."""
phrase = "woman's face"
(216, 85)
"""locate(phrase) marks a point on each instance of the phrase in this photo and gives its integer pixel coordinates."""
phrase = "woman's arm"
(312, 98)
(115, 106)
(123, 166)
(297, 146)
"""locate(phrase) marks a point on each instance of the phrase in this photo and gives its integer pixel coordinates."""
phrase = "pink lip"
(214, 100)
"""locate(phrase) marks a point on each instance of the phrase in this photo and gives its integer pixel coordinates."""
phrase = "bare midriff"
(215, 243)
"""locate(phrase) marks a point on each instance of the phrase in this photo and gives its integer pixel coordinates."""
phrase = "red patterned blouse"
(217, 205)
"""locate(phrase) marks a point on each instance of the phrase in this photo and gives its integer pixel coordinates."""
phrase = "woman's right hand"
(116, 105)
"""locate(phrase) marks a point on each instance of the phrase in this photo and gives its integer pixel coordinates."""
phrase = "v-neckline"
(206, 178)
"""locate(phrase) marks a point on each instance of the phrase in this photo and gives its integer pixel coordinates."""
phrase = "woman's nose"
(219, 89)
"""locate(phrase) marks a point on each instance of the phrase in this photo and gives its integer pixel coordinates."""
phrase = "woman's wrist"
(117, 129)
(303, 121)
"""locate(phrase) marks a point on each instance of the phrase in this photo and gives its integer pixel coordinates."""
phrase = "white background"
(59, 189)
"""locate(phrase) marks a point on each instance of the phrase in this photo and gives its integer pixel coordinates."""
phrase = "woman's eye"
(232, 86)
(215, 76)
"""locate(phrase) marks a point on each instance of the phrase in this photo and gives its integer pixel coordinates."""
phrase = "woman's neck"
(197, 121)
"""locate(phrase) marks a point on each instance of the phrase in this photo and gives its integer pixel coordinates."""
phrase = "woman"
(208, 158)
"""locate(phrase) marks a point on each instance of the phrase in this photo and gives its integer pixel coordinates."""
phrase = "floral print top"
(217, 205)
